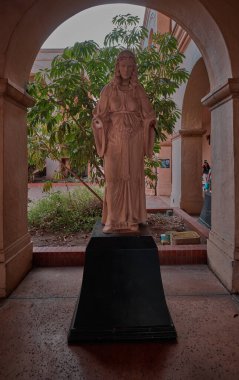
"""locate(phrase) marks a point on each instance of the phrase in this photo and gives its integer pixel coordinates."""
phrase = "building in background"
(184, 151)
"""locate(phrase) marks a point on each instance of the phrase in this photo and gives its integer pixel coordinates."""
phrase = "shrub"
(72, 211)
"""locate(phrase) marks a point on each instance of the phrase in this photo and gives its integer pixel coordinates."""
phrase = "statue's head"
(125, 68)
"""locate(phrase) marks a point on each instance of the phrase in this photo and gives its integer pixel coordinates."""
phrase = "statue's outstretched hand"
(152, 124)
(97, 123)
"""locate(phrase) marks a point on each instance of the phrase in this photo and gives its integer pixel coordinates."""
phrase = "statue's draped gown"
(126, 137)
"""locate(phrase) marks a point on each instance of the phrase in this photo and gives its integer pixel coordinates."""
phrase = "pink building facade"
(176, 180)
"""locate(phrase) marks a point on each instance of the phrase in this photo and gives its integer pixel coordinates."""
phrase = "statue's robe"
(123, 126)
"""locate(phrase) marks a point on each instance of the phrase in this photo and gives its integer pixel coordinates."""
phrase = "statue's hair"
(125, 54)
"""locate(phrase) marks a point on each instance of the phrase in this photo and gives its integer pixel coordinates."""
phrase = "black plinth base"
(122, 296)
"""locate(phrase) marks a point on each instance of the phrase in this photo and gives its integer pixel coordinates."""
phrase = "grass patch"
(72, 211)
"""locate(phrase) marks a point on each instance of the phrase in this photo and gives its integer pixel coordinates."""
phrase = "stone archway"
(193, 118)
(25, 26)
(42, 17)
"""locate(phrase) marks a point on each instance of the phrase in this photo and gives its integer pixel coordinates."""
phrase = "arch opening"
(195, 19)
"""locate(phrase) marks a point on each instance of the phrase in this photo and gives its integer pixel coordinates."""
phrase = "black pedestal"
(122, 296)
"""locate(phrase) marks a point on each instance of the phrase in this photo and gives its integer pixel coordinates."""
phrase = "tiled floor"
(35, 320)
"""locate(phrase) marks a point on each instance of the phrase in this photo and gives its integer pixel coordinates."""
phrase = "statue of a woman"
(123, 126)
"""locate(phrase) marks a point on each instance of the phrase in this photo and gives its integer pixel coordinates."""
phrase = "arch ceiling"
(197, 87)
(26, 24)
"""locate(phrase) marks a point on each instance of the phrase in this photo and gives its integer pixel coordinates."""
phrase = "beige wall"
(165, 174)
(15, 245)
(223, 240)
(163, 23)
(192, 56)
(206, 138)
(52, 167)
(176, 171)
(194, 118)
(44, 58)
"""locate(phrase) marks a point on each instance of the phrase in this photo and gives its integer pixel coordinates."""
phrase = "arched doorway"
(25, 26)
(194, 126)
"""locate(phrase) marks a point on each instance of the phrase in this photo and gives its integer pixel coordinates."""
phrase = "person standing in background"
(205, 172)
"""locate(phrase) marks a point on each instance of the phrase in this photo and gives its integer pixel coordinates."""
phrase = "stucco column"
(176, 170)
(223, 243)
(15, 242)
(164, 185)
(191, 170)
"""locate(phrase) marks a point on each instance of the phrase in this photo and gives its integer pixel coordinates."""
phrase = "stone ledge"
(75, 256)
(192, 223)
(222, 94)
(169, 254)
(16, 94)
(191, 132)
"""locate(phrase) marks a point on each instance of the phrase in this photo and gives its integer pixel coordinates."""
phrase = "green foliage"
(66, 94)
(150, 168)
(126, 33)
(72, 211)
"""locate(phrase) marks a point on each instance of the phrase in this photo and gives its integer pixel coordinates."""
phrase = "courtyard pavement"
(35, 193)
(35, 319)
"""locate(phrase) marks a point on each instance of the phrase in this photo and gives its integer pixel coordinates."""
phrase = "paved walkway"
(35, 320)
(178, 255)
(35, 192)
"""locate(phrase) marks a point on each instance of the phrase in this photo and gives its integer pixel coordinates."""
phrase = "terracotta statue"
(123, 126)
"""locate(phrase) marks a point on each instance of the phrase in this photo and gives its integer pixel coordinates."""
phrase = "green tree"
(59, 124)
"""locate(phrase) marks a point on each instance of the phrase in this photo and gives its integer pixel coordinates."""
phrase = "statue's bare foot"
(134, 228)
(107, 230)
(131, 229)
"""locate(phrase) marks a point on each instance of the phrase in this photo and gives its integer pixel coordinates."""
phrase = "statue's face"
(126, 67)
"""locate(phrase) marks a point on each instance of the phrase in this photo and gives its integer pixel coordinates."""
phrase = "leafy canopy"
(59, 124)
